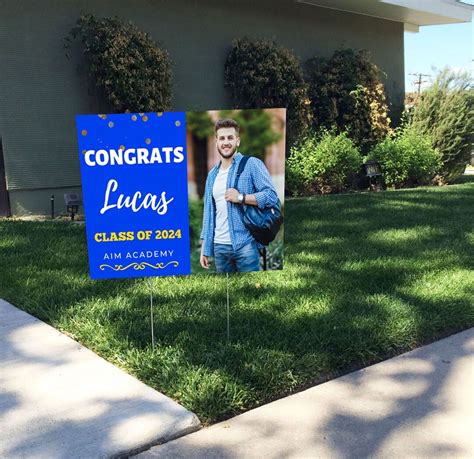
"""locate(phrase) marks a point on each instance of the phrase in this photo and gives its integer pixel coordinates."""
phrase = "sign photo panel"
(175, 193)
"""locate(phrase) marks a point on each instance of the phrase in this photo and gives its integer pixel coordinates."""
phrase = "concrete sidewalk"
(419, 404)
(60, 400)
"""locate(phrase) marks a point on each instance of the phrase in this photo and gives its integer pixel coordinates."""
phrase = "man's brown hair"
(226, 123)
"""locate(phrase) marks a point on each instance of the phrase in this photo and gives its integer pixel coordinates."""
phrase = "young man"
(224, 235)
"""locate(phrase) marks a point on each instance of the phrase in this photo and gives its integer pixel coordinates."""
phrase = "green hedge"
(407, 159)
(325, 163)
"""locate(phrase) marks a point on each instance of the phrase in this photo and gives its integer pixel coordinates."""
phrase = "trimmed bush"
(322, 164)
(346, 93)
(133, 73)
(445, 111)
(407, 159)
(261, 74)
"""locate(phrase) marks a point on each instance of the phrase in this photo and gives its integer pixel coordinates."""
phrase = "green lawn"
(365, 276)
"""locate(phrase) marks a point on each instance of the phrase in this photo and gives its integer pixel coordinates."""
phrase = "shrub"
(127, 66)
(195, 208)
(274, 255)
(407, 159)
(346, 93)
(445, 111)
(261, 74)
(322, 164)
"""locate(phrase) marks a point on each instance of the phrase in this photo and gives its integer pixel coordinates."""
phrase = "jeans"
(246, 259)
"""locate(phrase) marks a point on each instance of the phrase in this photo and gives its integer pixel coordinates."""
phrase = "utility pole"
(419, 81)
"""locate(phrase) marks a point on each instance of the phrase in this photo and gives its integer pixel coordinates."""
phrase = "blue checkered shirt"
(254, 179)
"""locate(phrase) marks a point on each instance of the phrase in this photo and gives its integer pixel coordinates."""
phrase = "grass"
(366, 276)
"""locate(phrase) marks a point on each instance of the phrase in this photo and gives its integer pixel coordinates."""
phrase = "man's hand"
(204, 261)
(232, 195)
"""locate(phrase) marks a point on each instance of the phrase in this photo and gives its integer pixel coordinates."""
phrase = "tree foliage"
(201, 127)
(261, 74)
(346, 93)
(200, 124)
(127, 66)
(445, 111)
(256, 131)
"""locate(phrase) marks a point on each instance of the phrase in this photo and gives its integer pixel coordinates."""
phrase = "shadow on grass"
(466, 178)
(366, 277)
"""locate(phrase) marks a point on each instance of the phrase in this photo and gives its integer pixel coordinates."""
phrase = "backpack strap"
(240, 169)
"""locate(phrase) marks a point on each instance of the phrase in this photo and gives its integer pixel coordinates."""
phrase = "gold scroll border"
(139, 266)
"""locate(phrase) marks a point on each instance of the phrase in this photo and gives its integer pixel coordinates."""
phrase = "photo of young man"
(224, 235)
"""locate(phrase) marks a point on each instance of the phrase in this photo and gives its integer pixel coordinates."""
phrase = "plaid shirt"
(256, 180)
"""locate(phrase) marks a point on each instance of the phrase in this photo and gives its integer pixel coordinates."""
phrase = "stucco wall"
(41, 91)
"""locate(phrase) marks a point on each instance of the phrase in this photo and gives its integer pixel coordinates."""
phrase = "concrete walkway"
(60, 400)
(417, 405)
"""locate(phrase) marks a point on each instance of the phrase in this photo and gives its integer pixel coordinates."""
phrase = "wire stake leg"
(151, 317)
(228, 309)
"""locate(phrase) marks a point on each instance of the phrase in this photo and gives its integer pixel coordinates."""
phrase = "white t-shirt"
(221, 233)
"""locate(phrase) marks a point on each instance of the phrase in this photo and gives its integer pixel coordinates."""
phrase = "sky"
(434, 47)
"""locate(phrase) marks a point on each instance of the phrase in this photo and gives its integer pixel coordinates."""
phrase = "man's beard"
(229, 154)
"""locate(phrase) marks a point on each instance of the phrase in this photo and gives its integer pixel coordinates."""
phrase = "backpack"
(263, 224)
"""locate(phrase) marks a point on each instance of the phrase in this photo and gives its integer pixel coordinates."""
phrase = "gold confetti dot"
(111, 124)
(148, 141)
(145, 118)
(160, 113)
(84, 132)
(122, 147)
(102, 116)
(84, 152)
(177, 123)
(134, 118)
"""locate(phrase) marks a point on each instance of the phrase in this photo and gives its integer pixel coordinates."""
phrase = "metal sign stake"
(228, 309)
(151, 317)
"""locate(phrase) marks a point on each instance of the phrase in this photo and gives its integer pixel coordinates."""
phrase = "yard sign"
(134, 181)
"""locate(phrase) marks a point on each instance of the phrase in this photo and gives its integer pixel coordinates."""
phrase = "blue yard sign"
(134, 182)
